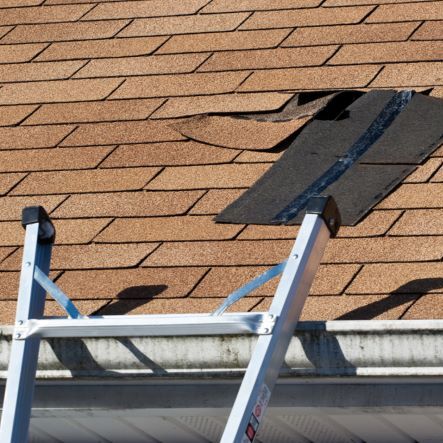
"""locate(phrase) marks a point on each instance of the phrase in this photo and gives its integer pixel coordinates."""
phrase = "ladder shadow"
(74, 354)
(322, 348)
(410, 291)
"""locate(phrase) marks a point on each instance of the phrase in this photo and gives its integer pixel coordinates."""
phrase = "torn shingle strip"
(255, 131)
(238, 133)
(313, 155)
(392, 109)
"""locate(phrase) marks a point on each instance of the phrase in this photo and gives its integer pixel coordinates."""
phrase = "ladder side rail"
(270, 350)
(22, 368)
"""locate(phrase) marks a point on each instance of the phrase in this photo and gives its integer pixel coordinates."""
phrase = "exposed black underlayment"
(358, 155)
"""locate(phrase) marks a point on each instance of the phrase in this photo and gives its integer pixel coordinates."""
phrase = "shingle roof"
(91, 93)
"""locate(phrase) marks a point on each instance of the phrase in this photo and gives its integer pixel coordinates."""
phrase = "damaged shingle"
(258, 131)
(358, 156)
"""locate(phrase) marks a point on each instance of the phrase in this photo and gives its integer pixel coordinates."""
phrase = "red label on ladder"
(257, 414)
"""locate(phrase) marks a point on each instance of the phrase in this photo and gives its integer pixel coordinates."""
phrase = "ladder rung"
(147, 325)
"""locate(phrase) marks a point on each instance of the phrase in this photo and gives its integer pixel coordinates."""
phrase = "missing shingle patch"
(263, 130)
(358, 157)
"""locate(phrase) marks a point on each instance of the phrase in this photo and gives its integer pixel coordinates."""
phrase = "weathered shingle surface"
(90, 93)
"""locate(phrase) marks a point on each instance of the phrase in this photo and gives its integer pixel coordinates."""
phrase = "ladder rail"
(22, 368)
(268, 356)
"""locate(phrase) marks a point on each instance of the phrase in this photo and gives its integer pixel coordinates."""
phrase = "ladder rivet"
(20, 322)
(295, 256)
(27, 264)
(17, 335)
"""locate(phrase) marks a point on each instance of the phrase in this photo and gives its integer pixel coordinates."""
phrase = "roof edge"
(385, 348)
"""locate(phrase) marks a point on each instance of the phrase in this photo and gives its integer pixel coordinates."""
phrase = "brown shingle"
(96, 180)
(19, 72)
(328, 77)
(375, 307)
(306, 17)
(4, 252)
(410, 74)
(109, 110)
(52, 159)
(11, 115)
(167, 229)
(177, 85)
(268, 58)
(140, 283)
(64, 31)
(58, 91)
(8, 181)
(187, 106)
(407, 12)
(375, 224)
(67, 231)
(258, 156)
(220, 253)
(384, 249)
(222, 41)
(11, 207)
(20, 137)
(429, 31)
(143, 8)
(329, 280)
(101, 48)
(86, 307)
(183, 306)
(165, 154)
(406, 278)
(426, 195)
(428, 306)
(89, 256)
(183, 25)
(364, 2)
(11, 3)
(164, 64)
(438, 177)
(208, 176)
(263, 232)
(4, 30)
(424, 172)
(238, 133)
(437, 92)
(9, 282)
(419, 222)
(215, 201)
(127, 204)
(256, 5)
(365, 33)
(388, 52)
(19, 53)
(45, 14)
(121, 132)
(52, 308)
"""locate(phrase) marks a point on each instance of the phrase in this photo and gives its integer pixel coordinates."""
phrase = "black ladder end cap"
(38, 214)
(327, 209)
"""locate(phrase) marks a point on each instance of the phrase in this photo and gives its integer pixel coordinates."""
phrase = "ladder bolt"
(20, 322)
(17, 336)
(295, 256)
(27, 264)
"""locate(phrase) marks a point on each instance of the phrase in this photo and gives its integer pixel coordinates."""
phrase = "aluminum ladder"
(274, 328)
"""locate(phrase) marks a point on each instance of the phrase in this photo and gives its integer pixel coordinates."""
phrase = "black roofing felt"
(358, 157)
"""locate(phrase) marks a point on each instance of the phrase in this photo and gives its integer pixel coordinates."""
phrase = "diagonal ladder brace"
(274, 328)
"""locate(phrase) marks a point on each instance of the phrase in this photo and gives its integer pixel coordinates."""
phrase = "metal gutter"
(342, 382)
(329, 349)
